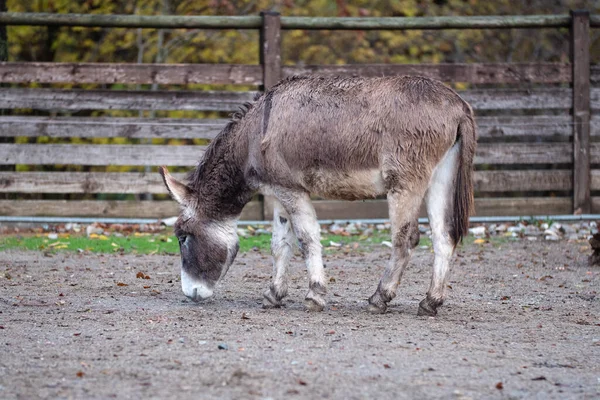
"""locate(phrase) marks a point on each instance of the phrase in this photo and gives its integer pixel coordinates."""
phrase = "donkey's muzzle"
(196, 296)
(195, 289)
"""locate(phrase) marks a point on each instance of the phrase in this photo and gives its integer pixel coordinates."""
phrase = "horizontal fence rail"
(309, 23)
(183, 74)
(167, 74)
(134, 182)
(472, 73)
(84, 154)
(558, 127)
(81, 99)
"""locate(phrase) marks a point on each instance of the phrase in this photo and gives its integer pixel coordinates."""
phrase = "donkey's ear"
(179, 191)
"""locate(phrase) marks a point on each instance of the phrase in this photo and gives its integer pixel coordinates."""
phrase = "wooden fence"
(538, 149)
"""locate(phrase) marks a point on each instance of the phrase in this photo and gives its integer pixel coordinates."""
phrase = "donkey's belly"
(344, 185)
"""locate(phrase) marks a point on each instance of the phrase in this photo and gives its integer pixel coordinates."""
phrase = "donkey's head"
(208, 247)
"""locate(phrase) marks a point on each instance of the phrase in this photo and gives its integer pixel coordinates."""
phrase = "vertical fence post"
(270, 59)
(580, 59)
(4, 57)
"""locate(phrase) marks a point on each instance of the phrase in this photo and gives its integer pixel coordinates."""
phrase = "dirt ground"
(521, 321)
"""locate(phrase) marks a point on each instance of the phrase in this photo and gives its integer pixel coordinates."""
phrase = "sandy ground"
(521, 321)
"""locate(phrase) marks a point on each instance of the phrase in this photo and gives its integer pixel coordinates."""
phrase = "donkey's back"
(355, 138)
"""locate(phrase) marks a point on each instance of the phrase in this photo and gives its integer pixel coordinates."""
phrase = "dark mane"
(195, 176)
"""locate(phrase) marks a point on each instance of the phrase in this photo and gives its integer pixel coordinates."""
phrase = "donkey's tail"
(463, 188)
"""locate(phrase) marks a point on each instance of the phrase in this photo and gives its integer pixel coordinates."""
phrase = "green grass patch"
(166, 243)
(143, 244)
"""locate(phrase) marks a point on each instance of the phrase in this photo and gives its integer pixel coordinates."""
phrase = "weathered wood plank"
(595, 74)
(114, 182)
(90, 127)
(595, 98)
(325, 209)
(595, 125)
(104, 209)
(580, 44)
(172, 128)
(595, 205)
(250, 22)
(524, 153)
(519, 181)
(497, 206)
(518, 99)
(270, 57)
(523, 206)
(82, 182)
(472, 73)
(270, 52)
(540, 126)
(78, 99)
(43, 154)
(445, 22)
(595, 179)
(46, 154)
(132, 21)
(594, 153)
(161, 128)
(107, 73)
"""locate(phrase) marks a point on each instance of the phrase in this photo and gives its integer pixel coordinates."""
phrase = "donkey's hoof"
(270, 300)
(314, 304)
(427, 309)
(377, 308)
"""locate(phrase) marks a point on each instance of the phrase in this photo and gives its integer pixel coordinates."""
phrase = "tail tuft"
(463, 192)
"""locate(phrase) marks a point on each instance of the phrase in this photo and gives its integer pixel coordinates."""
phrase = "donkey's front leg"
(404, 209)
(282, 245)
(306, 227)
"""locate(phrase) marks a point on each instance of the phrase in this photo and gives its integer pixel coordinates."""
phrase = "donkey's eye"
(182, 239)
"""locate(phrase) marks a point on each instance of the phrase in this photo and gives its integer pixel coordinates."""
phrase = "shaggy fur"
(343, 138)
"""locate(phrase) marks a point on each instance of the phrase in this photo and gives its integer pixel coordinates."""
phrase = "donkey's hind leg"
(404, 210)
(439, 207)
(308, 232)
(282, 249)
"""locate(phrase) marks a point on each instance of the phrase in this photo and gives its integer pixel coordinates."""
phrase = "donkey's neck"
(219, 179)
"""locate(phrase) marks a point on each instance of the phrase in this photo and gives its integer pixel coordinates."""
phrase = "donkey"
(410, 138)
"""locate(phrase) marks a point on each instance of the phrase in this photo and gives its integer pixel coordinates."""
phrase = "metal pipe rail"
(309, 23)
(473, 220)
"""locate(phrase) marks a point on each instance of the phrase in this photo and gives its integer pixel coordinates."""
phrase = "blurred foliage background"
(299, 47)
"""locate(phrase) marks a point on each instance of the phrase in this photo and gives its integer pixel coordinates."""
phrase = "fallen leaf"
(80, 374)
(386, 366)
(301, 382)
(479, 241)
(141, 275)
(499, 386)
(122, 284)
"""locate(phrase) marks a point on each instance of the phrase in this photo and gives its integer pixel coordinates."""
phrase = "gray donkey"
(339, 138)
